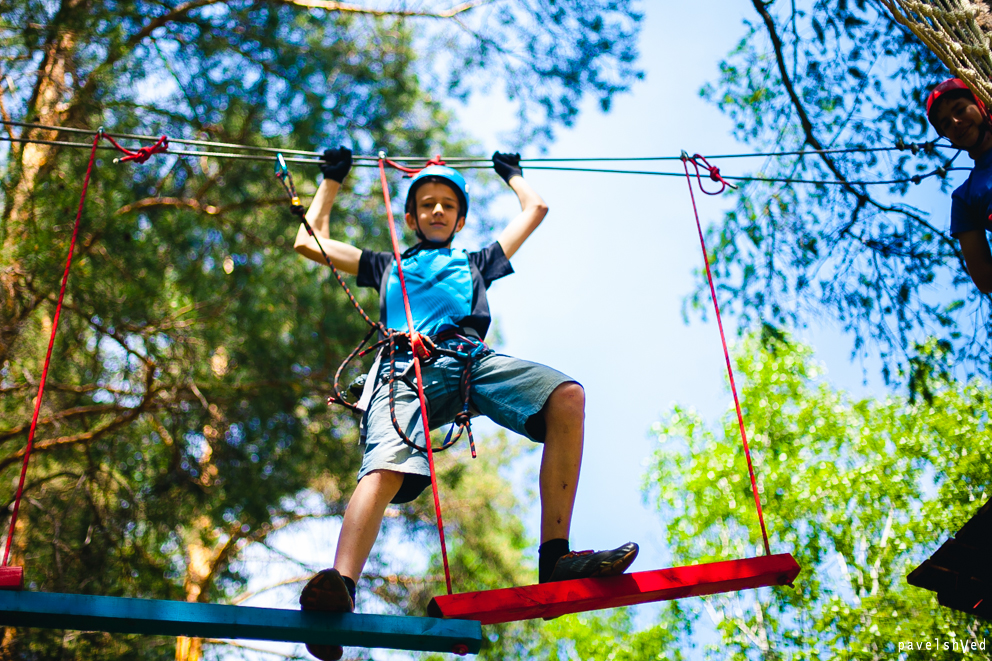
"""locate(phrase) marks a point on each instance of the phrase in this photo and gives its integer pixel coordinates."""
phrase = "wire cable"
(480, 163)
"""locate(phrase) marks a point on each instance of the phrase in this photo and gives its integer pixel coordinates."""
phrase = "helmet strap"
(427, 244)
(983, 131)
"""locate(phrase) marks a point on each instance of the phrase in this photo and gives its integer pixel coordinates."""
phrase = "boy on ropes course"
(959, 116)
(447, 293)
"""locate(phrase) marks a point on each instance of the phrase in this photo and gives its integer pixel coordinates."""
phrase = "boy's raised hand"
(507, 165)
(336, 164)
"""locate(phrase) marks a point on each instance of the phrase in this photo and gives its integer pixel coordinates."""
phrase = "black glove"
(507, 165)
(336, 164)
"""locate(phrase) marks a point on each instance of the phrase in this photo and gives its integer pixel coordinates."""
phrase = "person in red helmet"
(959, 116)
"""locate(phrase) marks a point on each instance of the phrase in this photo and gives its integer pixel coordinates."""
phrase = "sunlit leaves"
(858, 490)
(860, 255)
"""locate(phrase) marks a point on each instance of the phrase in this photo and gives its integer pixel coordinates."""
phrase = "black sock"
(350, 584)
(548, 555)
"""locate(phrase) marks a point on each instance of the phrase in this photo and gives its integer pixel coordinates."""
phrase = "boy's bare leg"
(362, 520)
(564, 416)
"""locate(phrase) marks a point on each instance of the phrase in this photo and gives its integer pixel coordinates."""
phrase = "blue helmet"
(443, 174)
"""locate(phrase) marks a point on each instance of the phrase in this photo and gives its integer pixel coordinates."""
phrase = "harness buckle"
(419, 347)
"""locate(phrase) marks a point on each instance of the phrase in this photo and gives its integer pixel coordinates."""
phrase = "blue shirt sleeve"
(372, 267)
(491, 262)
(962, 217)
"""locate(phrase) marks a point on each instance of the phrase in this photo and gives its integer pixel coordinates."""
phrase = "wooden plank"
(933, 577)
(178, 618)
(976, 604)
(576, 596)
(967, 560)
(959, 571)
(11, 578)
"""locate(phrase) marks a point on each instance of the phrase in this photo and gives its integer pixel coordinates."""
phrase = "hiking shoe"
(326, 592)
(587, 564)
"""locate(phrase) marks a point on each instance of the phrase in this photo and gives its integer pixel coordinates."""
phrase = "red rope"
(419, 351)
(723, 338)
(713, 170)
(411, 171)
(48, 356)
(143, 154)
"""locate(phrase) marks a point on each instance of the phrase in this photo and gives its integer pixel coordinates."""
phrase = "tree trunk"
(48, 105)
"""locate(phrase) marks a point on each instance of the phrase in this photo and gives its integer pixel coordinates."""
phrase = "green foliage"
(611, 635)
(860, 491)
(818, 75)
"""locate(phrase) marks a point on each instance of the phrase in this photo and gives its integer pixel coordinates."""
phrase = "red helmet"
(956, 88)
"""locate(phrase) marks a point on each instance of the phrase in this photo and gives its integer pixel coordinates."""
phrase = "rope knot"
(699, 161)
(410, 172)
(143, 154)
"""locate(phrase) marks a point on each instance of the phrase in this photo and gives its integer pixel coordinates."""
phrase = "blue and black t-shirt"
(971, 202)
(447, 287)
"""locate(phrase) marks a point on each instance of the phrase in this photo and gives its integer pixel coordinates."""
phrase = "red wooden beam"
(554, 599)
(11, 578)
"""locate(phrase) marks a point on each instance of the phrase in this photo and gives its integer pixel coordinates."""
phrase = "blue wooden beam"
(177, 618)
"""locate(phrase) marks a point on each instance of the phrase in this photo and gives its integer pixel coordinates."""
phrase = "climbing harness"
(392, 341)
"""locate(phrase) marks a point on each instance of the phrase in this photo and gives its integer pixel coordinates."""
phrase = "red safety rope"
(419, 351)
(48, 355)
(726, 353)
(713, 170)
(143, 154)
(411, 171)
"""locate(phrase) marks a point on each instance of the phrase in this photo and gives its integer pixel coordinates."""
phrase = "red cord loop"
(143, 154)
(409, 172)
(714, 173)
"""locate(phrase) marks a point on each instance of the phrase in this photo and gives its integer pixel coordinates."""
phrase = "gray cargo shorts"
(509, 391)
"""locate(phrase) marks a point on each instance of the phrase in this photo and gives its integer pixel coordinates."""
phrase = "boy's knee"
(568, 399)
(383, 482)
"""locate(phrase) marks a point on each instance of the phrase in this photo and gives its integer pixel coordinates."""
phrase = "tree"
(812, 76)
(184, 417)
(860, 491)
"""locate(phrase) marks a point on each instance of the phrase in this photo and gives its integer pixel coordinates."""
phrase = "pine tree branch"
(813, 141)
(93, 434)
(61, 415)
(75, 439)
(193, 204)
